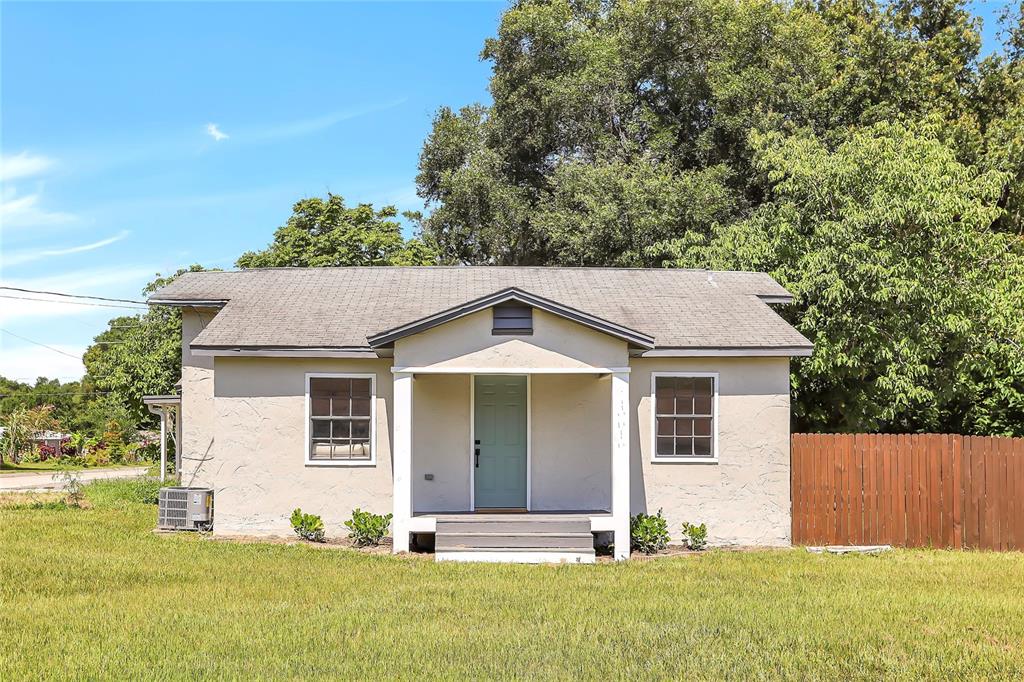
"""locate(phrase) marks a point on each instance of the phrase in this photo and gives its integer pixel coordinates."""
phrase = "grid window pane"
(340, 417)
(321, 406)
(702, 426)
(684, 427)
(683, 416)
(703, 386)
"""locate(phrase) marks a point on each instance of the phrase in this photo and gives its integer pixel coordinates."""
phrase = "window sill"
(684, 460)
(341, 463)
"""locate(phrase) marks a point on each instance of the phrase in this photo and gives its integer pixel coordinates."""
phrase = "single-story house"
(502, 413)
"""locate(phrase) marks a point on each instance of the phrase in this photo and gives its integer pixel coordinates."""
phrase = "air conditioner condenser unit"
(184, 508)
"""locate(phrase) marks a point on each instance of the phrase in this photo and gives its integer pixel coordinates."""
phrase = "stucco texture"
(467, 342)
(244, 422)
(257, 462)
(744, 498)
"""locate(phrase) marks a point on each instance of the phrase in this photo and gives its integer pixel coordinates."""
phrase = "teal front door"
(499, 431)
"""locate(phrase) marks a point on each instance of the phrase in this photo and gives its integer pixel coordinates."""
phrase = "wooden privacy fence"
(929, 490)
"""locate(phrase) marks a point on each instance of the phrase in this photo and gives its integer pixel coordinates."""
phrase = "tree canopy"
(861, 152)
(324, 233)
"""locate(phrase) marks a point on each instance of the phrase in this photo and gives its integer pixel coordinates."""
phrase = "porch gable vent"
(512, 318)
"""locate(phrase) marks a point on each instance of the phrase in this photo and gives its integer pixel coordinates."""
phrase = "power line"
(59, 293)
(50, 300)
(55, 350)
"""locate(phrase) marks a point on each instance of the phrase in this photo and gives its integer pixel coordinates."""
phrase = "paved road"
(49, 480)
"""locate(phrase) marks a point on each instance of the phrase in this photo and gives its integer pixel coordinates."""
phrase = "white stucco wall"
(744, 498)
(468, 342)
(244, 435)
(440, 444)
(571, 460)
(257, 467)
(197, 412)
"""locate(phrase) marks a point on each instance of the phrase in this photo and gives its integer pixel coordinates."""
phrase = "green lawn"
(95, 594)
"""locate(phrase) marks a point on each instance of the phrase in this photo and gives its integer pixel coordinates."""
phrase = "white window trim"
(373, 421)
(713, 459)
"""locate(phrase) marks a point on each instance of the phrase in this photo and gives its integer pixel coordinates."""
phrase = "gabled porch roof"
(633, 337)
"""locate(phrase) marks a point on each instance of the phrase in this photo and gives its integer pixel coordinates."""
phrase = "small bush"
(366, 528)
(648, 533)
(308, 526)
(695, 537)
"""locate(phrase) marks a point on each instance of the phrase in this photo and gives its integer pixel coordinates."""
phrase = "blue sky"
(141, 137)
(112, 173)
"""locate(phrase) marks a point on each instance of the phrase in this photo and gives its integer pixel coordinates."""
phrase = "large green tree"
(859, 150)
(615, 124)
(913, 300)
(325, 232)
(136, 355)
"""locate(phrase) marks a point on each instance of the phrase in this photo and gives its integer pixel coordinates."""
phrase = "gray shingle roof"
(341, 307)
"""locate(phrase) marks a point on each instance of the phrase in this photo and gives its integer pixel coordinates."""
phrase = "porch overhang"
(444, 369)
(634, 338)
(168, 408)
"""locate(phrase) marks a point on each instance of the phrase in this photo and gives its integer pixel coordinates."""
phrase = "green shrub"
(308, 526)
(695, 537)
(648, 533)
(367, 528)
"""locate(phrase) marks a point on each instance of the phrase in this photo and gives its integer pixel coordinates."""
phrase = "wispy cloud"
(30, 255)
(213, 131)
(308, 126)
(26, 211)
(22, 165)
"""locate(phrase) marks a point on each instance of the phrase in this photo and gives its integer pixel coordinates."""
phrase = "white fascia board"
(285, 353)
(510, 370)
(779, 352)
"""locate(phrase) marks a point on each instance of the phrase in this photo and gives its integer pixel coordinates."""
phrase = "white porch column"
(620, 463)
(402, 462)
(163, 444)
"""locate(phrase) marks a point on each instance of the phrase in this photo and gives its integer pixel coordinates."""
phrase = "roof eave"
(188, 303)
(728, 351)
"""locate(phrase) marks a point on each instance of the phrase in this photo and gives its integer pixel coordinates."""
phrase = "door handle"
(476, 454)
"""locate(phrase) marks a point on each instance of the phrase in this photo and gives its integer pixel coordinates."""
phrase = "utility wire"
(50, 300)
(59, 293)
(55, 350)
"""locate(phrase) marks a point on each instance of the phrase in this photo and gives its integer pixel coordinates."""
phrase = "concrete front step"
(445, 541)
(518, 556)
(548, 525)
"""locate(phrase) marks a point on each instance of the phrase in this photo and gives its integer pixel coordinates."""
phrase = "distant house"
(51, 439)
(502, 413)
